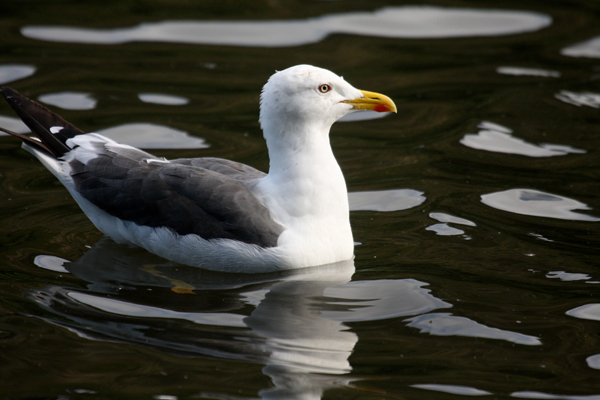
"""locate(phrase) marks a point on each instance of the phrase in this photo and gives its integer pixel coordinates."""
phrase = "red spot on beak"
(381, 108)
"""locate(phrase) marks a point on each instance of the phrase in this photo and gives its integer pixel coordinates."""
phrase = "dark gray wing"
(207, 197)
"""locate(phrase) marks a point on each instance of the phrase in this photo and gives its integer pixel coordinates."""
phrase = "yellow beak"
(372, 101)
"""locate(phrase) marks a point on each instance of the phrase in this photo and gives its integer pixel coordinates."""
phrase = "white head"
(314, 97)
(305, 189)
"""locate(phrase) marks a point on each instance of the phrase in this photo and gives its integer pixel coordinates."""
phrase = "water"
(475, 208)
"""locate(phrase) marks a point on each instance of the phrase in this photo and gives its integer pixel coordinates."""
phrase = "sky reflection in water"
(579, 98)
(538, 204)
(12, 124)
(452, 389)
(70, 100)
(392, 22)
(497, 138)
(589, 48)
(520, 71)
(163, 99)
(443, 229)
(385, 200)
(13, 72)
(153, 136)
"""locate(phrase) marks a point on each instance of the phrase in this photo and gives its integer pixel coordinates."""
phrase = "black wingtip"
(29, 140)
(39, 119)
(6, 91)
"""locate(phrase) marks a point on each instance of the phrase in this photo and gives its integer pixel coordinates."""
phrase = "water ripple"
(443, 229)
(452, 389)
(590, 48)
(519, 71)
(579, 99)
(13, 72)
(593, 361)
(164, 99)
(497, 138)
(538, 204)
(12, 124)
(445, 324)
(540, 395)
(392, 22)
(567, 276)
(70, 100)
(588, 311)
(153, 136)
(385, 200)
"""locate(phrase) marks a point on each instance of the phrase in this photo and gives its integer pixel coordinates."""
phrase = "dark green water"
(477, 272)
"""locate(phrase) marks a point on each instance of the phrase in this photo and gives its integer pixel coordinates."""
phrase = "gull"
(215, 213)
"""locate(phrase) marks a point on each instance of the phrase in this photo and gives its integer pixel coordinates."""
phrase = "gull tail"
(52, 131)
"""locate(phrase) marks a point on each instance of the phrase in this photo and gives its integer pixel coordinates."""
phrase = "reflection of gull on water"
(297, 328)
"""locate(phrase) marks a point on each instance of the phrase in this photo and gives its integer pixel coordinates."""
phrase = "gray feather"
(209, 197)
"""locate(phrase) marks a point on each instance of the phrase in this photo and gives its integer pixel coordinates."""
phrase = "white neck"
(306, 192)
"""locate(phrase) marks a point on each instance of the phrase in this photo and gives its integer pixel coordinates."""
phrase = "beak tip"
(384, 108)
(372, 101)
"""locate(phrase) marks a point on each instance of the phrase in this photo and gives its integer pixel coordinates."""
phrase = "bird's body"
(215, 213)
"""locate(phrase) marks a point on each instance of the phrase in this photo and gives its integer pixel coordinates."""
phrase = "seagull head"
(313, 96)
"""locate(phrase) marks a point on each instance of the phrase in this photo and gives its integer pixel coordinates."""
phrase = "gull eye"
(324, 88)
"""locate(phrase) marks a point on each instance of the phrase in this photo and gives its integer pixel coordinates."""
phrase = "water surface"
(475, 209)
